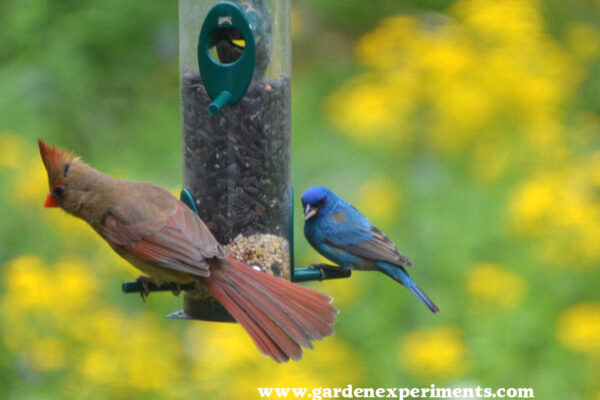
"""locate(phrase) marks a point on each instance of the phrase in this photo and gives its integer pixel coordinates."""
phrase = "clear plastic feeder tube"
(237, 163)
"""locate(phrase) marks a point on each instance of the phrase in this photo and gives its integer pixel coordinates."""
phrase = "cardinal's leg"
(145, 282)
(175, 288)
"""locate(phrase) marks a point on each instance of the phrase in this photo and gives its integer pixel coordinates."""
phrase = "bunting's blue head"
(315, 199)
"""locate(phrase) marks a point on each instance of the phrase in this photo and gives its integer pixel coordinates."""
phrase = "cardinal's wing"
(181, 241)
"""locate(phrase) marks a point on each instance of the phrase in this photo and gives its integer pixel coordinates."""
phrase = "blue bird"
(341, 233)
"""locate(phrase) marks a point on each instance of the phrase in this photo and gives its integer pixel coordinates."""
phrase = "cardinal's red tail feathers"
(278, 315)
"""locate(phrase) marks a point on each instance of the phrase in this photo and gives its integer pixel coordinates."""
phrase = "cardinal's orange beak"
(51, 201)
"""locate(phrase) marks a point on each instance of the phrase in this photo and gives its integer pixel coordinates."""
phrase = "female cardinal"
(161, 236)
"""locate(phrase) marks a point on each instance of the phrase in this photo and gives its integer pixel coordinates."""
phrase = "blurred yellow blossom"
(368, 113)
(319, 367)
(59, 289)
(148, 357)
(433, 352)
(492, 284)
(70, 275)
(487, 78)
(237, 368)
(534, 203)
(222, 345)
(560, 210)
(398, 32)
(510, 21)
(54, 315)
(578, 328)
(27, 281)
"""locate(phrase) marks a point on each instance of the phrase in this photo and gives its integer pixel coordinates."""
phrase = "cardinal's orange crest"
(56, 162)
(52, 157)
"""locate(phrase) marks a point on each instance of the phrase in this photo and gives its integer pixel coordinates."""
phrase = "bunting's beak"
(310, 212)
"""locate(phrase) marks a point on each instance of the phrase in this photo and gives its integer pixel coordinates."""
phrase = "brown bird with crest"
(165, 239)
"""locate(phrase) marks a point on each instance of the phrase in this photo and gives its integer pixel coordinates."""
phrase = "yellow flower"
(489, 71)
(319, 367)
(534, 202)
(54, 316)
(381, 48)
(506, 21)
(224, 346)
(60, 290)
(433, 352)
(28, 281)
(72, 277)
(131, 352)
(366, 111)
(491, 284)
(237, 368)
(578, 328)
(561, 212)
(98, 366)
(105, 322)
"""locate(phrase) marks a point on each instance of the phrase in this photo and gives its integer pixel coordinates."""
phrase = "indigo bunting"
(341, 233)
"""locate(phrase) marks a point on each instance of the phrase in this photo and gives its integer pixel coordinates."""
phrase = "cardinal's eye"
(58, 191)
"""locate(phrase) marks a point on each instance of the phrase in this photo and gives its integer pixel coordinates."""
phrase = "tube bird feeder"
(235, 104)
(235, 100)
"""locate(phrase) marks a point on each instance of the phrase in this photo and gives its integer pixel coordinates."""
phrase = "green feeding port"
(320, 272)
(226, 55)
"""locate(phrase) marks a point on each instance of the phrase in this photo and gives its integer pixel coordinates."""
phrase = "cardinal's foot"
(175, 288)
(145, 282)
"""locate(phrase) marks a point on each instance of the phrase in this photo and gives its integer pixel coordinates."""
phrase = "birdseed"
(236, 164)
(270, 252)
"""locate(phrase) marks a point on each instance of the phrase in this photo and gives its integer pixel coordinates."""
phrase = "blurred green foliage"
(467, 130)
